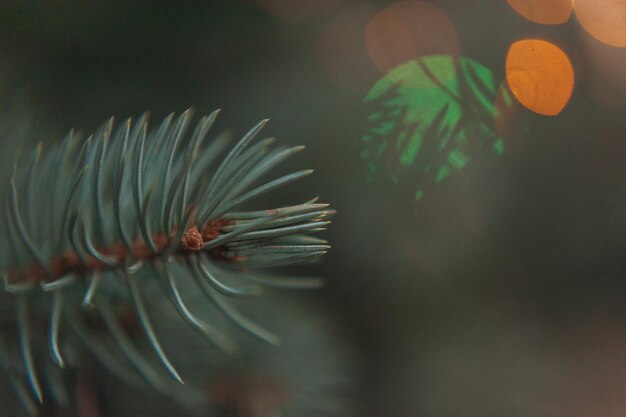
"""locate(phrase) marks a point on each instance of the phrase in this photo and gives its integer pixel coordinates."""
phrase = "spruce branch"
(92, 223)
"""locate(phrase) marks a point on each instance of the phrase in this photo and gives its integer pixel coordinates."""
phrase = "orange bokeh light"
(605, 20)
(546, 12)
(407, 30)
(540, 76)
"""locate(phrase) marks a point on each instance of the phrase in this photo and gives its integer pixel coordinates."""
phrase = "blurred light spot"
(407, 30)
(299, 10)
(547, 12)
(540, 76)
(428, 119)
(341, 50)
(605, 20)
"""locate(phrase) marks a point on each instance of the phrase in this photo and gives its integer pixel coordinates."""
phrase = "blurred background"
(475, 151)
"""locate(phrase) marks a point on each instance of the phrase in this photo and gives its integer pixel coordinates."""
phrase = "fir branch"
(88, 215)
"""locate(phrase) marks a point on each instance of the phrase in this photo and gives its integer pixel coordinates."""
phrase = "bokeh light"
(540, 76)
(546, 12)
(341, 51)
(407, 30)
(299, 10)
(428, 118)
(605, 20)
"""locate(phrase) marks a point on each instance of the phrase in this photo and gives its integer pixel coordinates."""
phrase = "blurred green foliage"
(429, 115)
